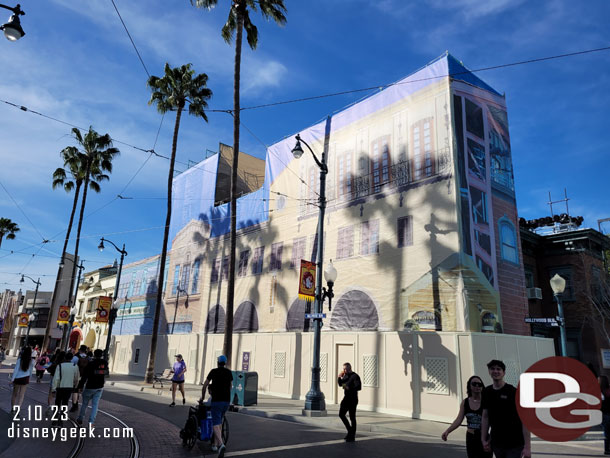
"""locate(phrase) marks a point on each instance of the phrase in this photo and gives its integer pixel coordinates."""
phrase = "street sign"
(315, 315)
(547, 321)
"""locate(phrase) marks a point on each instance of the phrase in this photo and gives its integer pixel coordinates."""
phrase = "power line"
(384, 86)
(131, 39)
(44, 240)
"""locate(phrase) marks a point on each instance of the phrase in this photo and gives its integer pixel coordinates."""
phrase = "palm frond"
(274, 9)
(207, 4)
(251, 31)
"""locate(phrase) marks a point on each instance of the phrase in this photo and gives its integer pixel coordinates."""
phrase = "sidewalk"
(290, 410)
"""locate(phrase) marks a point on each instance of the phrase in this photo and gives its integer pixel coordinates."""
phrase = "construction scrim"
(420, 223)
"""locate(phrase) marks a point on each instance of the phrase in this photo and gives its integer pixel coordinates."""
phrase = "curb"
(331, 422)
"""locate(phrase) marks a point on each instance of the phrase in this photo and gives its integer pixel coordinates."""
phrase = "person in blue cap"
(219, 381)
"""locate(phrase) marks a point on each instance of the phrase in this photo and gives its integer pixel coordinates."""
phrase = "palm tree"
(71, 178)
(171, 92)
(239, 19)
(95, 152)
(8, 228)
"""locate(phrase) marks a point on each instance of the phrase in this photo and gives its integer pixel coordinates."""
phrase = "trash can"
(244, 389)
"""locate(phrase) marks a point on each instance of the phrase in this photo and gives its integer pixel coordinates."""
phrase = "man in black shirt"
(92, 381)
(221, 380)
(509, 437)
(350, 381)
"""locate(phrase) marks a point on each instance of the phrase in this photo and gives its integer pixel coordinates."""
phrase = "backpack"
(82, 363)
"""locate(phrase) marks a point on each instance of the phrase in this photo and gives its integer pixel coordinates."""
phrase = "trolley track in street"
(79, 445)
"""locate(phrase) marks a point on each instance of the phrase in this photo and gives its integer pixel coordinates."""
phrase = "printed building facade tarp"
(420, 221)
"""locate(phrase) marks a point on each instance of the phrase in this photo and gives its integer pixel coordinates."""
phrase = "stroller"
(199, 426)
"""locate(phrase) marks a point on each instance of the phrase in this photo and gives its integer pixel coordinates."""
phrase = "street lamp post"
(115, 303)
(178, 291)
(37, 283)
(31, 318)
(315, 405)
(558, 284)
(73, 311)
(12, 29)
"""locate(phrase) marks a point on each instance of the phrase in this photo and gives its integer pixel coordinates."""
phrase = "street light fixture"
(12, 29)
(558, 285)
(115, 304)
(315, 405)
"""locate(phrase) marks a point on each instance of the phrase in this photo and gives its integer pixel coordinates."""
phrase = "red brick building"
(577, 256)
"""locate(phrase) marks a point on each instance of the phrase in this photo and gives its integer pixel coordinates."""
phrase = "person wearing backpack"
(56, 360)
(41, 366)
(81, 360)
(93, 383)
(350, 382)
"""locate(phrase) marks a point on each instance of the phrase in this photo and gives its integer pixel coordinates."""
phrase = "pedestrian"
(509, 437)
(35, 352)
(93, 383)
(41, 364)
(2, 353)
(178, 379)
(220, 381)
(57, 359)
(21, 376)
(350, 381)
(65, 381)
(472, 410)
(605, 389)
(81, 360)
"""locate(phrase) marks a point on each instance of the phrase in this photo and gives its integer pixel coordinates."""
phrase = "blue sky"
(77, 64)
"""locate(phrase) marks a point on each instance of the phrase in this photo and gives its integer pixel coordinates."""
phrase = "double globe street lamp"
(12, 29)
(315, 405)
(115, 303)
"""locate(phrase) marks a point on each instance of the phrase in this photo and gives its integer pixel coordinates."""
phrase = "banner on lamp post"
(23, 320)
(307, 281)
(103, 309)
(63, 316)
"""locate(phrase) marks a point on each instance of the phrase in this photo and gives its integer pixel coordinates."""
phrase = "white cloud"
(261, 75)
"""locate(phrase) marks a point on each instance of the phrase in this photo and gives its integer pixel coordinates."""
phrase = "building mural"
(420, 221)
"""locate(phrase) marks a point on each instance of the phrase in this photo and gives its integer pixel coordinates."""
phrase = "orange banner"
(23, 320)
(307, 281)
(103, 309)
(63, 316)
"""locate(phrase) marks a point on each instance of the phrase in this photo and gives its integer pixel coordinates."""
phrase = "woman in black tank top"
(471, 409)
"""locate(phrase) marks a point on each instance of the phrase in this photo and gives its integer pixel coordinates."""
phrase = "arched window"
(508, 241)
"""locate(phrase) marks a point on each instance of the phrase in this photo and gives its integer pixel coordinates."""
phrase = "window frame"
(505, 223)
(404, 237)
(369, 231)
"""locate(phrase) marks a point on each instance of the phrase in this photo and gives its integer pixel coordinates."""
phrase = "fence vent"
(279, 364)
(370, 370)
(323, 367)
(437, 376)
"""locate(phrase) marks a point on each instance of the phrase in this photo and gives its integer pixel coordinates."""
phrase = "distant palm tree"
(8, 228)
(71, 177)
(171, 92)
(95, 153)
(239, 19)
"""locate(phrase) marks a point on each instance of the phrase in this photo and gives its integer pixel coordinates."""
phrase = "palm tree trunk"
(228, 338)
(47, 331)
(1, 237)
(150, 369)
(80, 225)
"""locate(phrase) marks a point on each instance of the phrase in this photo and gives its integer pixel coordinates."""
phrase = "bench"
(165, 376)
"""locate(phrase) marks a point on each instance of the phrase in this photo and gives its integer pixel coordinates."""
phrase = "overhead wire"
(23, 213)
(384, 86)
